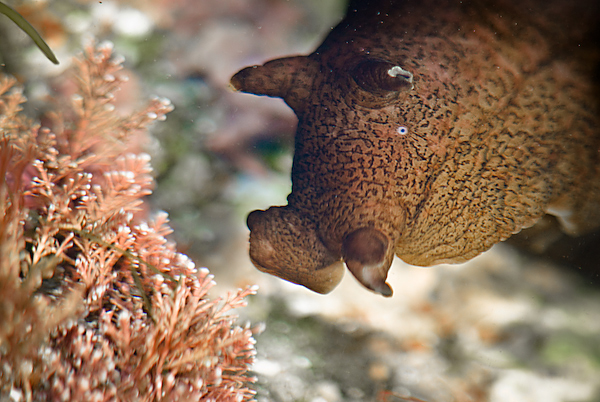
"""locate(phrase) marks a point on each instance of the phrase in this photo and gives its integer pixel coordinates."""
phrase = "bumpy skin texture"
(432, 130)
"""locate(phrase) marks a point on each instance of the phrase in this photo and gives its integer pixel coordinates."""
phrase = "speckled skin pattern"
(490, 122)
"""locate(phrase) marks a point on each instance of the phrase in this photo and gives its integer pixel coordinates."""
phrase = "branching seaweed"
(95, 302)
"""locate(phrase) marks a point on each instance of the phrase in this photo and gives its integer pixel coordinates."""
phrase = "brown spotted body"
(432, 130)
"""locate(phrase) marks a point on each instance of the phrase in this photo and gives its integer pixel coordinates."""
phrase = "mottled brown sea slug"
(431, 130)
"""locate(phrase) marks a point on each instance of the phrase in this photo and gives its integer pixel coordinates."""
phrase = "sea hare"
(432, 130)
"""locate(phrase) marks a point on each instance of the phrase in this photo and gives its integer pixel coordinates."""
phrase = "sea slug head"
(351, 97)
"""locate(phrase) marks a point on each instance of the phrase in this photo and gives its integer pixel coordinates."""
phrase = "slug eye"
(378, 75)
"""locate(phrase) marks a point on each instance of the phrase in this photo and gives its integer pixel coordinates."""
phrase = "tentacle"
(285, 245)
(289, 78)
